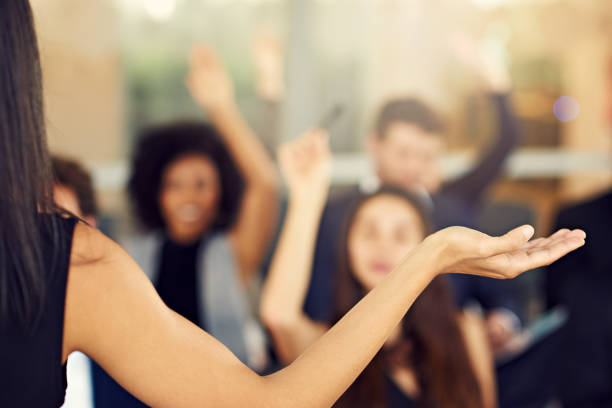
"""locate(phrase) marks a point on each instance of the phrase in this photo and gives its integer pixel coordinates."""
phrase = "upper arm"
(114, 315)
(481, 357)
(255, 226)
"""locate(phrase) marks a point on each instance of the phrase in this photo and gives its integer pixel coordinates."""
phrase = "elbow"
(266, 181)
(270, 183)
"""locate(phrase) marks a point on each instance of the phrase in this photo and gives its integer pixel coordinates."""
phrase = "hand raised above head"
(208, 81)
(491, 71)
(305, 162)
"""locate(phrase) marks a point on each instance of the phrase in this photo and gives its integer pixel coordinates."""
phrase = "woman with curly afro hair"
(206, 196)
(209, 194)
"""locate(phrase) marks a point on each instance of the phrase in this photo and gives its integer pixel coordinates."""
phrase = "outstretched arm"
(212, 89)
(114, 315)
(305, 164)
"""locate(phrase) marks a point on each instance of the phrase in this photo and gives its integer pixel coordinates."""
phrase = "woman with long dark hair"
(66, 287)
(436, 357)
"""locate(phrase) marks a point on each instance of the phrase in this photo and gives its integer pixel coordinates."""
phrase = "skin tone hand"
(490, 71)
(306, 163)
(500, 329)
(506, 256)
(268, 58)
(209, 83)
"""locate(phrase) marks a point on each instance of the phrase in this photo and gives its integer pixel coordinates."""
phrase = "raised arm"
(495, 82)
(114, 315)
(212, 89)
(305, 164)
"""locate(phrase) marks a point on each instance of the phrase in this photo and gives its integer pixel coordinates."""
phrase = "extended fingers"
(554, 239)
(547, 252)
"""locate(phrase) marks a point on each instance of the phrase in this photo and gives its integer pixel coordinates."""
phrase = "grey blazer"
(224, 305)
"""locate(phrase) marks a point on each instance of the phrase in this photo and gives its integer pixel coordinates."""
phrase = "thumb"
(508, 242)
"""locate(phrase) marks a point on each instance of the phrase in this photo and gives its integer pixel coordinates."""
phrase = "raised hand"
(491, 71)
(208, 82)
(471, 252)
(306, 164)
(268, 58)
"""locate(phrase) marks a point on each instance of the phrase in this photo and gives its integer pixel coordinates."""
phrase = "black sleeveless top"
(177, 283)
(31, 370)
(396, 397)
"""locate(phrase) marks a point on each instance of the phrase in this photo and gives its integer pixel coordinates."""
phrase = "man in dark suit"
(405, 148)
(582, 282)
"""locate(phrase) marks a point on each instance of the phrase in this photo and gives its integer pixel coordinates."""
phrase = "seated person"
(582, 283)
(206, 196)
(406, 148)
(437, 356)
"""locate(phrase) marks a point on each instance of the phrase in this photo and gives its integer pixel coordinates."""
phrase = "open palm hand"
(471, 252)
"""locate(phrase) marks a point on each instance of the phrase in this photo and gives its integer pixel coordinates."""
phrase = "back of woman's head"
(431, 344)
(25, 176)
(160, 146)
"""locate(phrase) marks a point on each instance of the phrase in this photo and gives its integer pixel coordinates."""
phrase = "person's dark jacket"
(582, 281)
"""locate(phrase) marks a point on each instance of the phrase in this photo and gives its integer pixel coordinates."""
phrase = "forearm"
(250, 155)
(321, 375)
(472, 185)
(287, 282)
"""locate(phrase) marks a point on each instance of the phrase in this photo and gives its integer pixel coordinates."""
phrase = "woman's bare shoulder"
(90, 248)
(101, 274)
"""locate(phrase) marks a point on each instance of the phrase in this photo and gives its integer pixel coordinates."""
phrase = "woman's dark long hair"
(431, 343)
(25, 171)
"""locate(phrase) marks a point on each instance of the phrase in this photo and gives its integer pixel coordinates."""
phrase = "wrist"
(222, 112)
(311, 198)
(436, 252)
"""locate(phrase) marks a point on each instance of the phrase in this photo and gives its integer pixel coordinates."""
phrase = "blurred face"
(66, 198)
(189, 195)
(384, 230)
(408, 157)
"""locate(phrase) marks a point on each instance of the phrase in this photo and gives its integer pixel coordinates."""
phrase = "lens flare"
(566, 109)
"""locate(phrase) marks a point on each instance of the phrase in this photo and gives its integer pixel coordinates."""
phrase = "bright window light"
(160, 10)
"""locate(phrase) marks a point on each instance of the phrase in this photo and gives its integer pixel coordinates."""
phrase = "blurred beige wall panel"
(585, 79)
(82, 77)
(407, 49)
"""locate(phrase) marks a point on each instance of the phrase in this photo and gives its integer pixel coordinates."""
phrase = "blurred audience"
(207, 197)
(437, 357)
(406, 147)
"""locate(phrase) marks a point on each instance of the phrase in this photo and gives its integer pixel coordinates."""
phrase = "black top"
(32, 374)
(582, 282)
(178, 283)
(396, 398)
